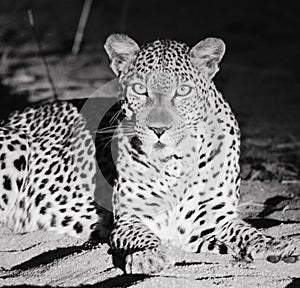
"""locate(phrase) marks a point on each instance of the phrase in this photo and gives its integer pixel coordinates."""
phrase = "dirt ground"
(260, 79)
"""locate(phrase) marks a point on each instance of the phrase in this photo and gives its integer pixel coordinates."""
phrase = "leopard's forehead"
(164, 61)
(163, 52)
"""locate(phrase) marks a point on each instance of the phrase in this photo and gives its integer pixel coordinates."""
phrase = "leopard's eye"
(183, 90)
(139, 89)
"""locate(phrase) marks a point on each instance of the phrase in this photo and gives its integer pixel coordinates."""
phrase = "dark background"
(268, 31)
(265, 30)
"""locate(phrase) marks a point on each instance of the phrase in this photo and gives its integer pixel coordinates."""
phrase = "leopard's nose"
(159, 121)
(159, 131)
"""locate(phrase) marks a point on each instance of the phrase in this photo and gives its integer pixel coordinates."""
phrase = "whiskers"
(107, 130)
(115, 117)
(113, 132)
(113, 129)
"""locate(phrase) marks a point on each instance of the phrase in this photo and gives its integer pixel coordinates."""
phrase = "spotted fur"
(178, 163)
(47, 172)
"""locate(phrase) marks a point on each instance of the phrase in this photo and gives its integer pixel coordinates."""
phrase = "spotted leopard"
(178, 163)
(177, 166)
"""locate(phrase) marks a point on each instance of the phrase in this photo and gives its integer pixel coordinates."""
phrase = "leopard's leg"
(138, 248)
(246, 242)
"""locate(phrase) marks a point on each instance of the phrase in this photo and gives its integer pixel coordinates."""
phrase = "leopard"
(47, 173)
(178, 182)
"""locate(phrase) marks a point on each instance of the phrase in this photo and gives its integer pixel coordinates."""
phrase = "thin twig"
(254, 175)
(286, 146)
(81, 26)
(4, 56)
(290, 182)
(40, 51)
(293, 138)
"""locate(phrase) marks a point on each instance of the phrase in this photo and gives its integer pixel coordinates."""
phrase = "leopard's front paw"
(275, 250)
(148, 261)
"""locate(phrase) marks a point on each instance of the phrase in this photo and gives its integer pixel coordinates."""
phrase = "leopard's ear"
(121, 50)
(207, 54)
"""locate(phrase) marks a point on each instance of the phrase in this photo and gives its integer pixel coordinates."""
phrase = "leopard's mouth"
(159, 145)
(136, 144)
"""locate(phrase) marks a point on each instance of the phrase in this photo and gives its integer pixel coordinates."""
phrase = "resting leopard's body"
(47, 171)
(178, 163)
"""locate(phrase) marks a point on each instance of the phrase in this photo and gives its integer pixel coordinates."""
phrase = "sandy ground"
(260, 78)
(47, 259)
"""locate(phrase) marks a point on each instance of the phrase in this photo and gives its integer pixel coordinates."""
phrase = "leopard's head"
(164, 87)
